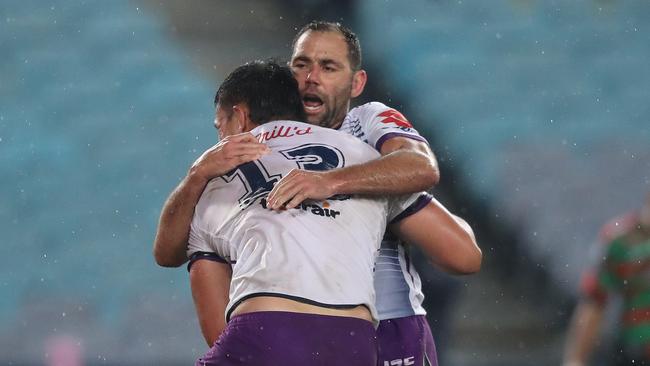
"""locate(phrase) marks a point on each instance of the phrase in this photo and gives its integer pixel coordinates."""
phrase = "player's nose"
(313, 76)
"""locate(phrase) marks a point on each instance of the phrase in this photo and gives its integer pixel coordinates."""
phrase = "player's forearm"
(464, 255)
(172, 235)
(398, 172)
(447, 240)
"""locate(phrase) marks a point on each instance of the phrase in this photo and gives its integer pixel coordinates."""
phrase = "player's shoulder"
(617, 227)
(374, 112)
(361, 119)
(368, 109)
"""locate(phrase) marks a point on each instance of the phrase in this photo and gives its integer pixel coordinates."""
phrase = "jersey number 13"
(258, 181)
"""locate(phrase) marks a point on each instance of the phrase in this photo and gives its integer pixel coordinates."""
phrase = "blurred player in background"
(623, 270)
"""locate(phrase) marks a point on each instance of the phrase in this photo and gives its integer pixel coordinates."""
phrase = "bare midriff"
(272, 303)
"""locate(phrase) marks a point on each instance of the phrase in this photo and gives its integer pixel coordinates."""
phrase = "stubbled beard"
(327, 120)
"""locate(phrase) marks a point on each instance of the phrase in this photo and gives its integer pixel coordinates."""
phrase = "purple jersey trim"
(205, 255)
(390, 135)
(416, 206)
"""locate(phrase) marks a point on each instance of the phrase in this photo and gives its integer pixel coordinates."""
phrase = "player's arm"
(446, 239)
(588, 314)
(406, 166)
(583, 332)
(174, 225)
(210, 284)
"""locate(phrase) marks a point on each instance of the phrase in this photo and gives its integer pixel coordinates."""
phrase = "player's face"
(225, 123)
(321, 66)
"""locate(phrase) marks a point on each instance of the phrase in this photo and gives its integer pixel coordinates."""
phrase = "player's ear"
(241, 116)
(358, 83)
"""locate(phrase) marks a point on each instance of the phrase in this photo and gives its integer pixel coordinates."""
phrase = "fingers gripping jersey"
(320, 252)
(397, 283)
(374, 123)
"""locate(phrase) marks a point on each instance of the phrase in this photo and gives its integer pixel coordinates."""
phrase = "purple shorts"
(285, 338)
(406, 341)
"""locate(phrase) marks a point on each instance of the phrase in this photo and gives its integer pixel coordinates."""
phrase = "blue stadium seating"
(95, 108)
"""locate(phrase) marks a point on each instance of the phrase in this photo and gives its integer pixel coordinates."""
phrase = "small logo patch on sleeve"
(393, 116)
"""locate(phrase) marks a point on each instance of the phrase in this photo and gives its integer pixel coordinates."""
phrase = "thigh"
(405, 341)
(284, 338)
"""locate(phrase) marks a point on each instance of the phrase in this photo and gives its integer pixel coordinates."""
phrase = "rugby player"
(620, 271)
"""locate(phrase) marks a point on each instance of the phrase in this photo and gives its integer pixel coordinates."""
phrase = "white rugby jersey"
(397, 283)
(321, 253)
(374, 123)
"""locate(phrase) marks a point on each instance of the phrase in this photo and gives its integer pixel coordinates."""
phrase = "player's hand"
(298, 186)
(227, 154)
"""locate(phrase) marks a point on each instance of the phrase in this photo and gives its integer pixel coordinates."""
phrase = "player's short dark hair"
(268, 89)
(351, 39)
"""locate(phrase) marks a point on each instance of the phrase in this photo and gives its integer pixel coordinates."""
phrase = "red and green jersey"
(624, 268)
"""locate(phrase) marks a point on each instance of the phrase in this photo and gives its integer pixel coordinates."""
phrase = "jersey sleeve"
(200, 245)
(376, 123)
(591, 284)
(199, 240)
(601, 277)
(401, 207)
(607, 276)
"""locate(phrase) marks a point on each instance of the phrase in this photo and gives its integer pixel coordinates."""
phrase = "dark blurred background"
(537, 110)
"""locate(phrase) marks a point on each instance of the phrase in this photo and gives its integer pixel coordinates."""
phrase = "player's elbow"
(162, 260)
(472, 262)
(429, 166)
(165, 259)
(432, 174)
(473, 257)
(426, 175)
(422, 161)
(428, 170)
(466, 265)
(466, 259)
